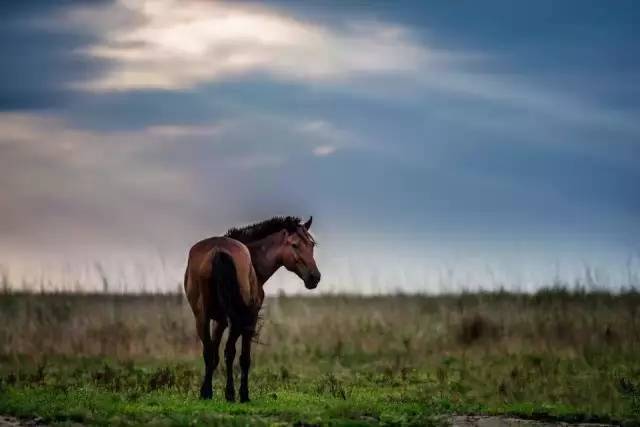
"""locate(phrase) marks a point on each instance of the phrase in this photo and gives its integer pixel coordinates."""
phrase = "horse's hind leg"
(218, 330)
(202, 325)
(210, 353)
(245, 364)
(229, 356)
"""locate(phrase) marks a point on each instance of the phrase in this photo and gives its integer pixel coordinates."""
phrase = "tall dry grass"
(555, 320)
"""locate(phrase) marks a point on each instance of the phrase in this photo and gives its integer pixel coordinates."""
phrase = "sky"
(439, 146)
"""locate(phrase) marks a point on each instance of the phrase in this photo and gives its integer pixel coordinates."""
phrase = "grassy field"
(396, 360)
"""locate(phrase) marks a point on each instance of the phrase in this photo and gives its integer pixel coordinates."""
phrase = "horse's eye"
(295, 245)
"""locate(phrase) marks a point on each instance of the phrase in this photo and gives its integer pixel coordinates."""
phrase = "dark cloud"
(39, 62)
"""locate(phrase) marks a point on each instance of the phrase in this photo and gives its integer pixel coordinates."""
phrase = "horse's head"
(297, 255)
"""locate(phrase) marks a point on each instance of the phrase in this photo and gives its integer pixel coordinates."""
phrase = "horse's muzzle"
(312, 281)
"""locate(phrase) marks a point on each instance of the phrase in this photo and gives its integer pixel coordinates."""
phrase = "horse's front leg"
(245, 364)
(229, 356)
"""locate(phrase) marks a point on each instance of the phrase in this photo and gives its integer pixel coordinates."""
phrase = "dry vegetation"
(414, 327)
(555, 354)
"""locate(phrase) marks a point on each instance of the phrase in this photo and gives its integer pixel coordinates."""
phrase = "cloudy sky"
(438, 146)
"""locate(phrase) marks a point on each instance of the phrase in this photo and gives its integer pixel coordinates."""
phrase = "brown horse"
(224, 281)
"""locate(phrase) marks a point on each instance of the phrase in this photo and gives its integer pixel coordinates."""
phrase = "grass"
(398, 360)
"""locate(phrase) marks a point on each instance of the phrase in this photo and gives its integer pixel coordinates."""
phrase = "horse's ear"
(307, 225)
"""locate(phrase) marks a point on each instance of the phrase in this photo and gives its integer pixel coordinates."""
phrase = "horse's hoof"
(244, 395)
(230, 395)
(206, 393)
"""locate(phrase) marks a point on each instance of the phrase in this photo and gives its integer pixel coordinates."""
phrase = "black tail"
(225, 282)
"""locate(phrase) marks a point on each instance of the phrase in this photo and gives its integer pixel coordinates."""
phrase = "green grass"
(330, 361)
(346, 391)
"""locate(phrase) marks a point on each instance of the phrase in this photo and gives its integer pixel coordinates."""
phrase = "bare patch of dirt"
(497, 421)
(15, 422)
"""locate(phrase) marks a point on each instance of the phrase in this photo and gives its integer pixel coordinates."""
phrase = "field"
(341, 360)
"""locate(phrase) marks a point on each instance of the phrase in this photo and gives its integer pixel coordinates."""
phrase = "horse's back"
(204, 250)
(200, 275)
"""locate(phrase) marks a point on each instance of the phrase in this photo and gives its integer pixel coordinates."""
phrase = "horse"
(224, 283)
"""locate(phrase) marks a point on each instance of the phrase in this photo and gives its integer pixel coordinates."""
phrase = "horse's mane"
(260, 230)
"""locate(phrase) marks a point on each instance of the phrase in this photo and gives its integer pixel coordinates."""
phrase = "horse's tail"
(225, 282)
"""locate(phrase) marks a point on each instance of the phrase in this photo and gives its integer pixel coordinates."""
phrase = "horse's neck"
(265, 258)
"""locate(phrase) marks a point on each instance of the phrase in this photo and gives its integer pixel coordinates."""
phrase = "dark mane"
(260, 230)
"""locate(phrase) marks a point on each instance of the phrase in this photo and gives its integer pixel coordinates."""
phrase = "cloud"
(178, 45)
(60, 179)
(171, 45)
(66, 185)
(129, 45)
(326, 137)
(174, 131)
(324, 150)
(94, 184)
